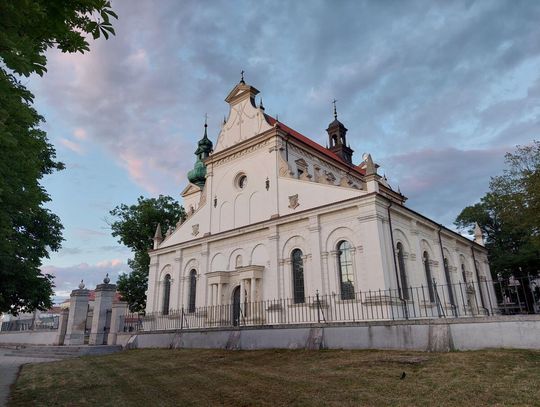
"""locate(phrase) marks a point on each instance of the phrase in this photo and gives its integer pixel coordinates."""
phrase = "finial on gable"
(242, 77)
(478, 235)
(158, 236)
(371, 169)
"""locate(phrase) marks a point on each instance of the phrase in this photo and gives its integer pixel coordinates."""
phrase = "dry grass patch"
(281, 377)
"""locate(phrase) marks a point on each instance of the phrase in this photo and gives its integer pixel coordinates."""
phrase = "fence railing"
(435, 301)
(31, 324)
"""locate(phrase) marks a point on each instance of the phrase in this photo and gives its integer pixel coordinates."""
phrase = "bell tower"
(197, 175)
(337, 138)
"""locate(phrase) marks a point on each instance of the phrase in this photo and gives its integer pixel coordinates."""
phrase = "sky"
(435, 91)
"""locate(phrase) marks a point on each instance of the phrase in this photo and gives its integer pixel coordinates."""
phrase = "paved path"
(9, 366)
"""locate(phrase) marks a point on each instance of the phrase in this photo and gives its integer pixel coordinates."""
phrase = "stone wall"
(518, 332)
(29, 337)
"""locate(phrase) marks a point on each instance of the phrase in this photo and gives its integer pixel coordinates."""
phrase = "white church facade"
(274, 215)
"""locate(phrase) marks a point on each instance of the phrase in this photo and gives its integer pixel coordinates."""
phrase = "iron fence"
(422, 302)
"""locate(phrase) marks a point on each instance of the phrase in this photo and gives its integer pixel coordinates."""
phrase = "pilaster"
(315, 272)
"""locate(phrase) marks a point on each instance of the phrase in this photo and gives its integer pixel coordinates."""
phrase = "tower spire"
(197, 175)
(337, 138)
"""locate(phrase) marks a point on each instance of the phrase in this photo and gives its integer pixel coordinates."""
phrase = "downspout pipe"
(478, 280)
(403, 302)
(446, 274)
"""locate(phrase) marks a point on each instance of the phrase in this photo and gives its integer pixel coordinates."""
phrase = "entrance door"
(236, 307)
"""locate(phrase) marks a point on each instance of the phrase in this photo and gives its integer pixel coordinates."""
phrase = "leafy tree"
(28, 231)
(509, 215)
(135, 227)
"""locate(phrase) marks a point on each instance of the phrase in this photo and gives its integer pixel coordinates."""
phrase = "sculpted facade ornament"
(293, 201)
(195, 229)
(284, 167)
(330, 177)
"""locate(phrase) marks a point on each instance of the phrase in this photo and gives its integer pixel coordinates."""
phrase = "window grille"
(192, 290)
(402, 272)
(298, 276)
(166, 294)
(346, 274)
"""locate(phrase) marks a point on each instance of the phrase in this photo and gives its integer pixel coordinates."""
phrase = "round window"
(242, 181)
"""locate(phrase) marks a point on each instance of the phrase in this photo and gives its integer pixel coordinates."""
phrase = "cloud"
(84, 232)
(412, 79)
(70, 250)
(73, 146)
(80, 134)
(106, 264)
(442, 182)
(68, 278)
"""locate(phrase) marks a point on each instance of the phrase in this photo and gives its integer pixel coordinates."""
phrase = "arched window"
(428, 277)
(334, 140)
(346, 275)
(449, 282)
(402, 272)
(192, 290)
(463, 273)
(166, 294)
(298, 276)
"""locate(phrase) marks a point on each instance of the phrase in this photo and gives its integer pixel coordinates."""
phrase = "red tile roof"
(316, 146)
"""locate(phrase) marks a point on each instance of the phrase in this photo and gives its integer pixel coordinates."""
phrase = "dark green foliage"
(28, 231)
(135, 227)
(509, 215)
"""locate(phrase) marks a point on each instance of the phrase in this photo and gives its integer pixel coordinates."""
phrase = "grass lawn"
(283, 377)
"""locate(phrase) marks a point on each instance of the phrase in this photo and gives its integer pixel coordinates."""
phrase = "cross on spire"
(335, 111)
(205, 125)
(242, 76)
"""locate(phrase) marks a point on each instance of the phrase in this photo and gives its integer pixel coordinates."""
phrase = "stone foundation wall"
(29, 338)
(518, 332)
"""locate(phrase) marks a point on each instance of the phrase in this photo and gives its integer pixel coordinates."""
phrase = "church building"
(271, 214)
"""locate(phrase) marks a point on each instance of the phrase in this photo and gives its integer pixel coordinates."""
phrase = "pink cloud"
(109, 263)
(80, 134)
(71, 145)
(68, 278)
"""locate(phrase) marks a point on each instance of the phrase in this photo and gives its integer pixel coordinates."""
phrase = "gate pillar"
(78, 308)
(119, 311)
(102, 307)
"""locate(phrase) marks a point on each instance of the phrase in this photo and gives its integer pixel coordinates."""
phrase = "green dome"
(197, 175)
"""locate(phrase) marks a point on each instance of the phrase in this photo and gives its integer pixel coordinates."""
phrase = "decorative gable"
(245, 119)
